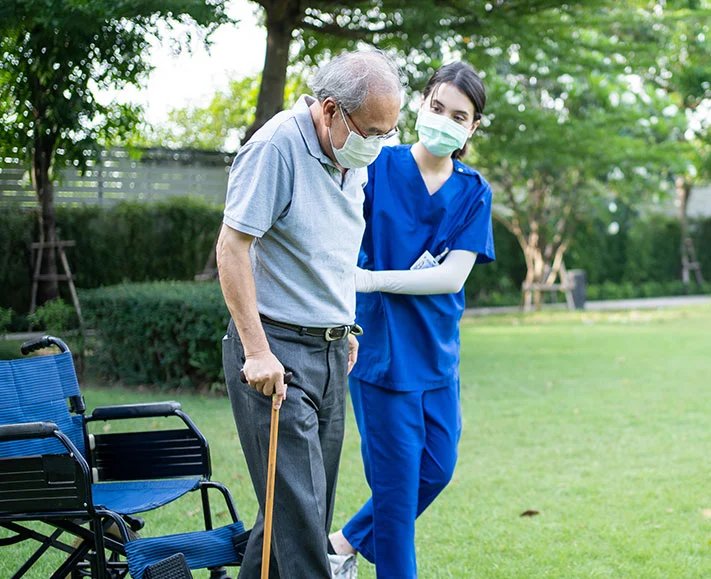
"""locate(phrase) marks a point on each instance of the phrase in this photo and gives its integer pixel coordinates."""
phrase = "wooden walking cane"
(271, 479)
(269, 501)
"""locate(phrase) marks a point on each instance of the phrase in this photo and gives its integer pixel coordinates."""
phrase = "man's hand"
(265, 373)
(352, 351)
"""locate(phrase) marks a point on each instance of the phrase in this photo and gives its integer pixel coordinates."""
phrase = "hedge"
(171, 240)
(166, 333)
(132, 241)
(650, 289)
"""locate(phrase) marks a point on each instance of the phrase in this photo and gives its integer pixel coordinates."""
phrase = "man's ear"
(475, 126)
(328, 110)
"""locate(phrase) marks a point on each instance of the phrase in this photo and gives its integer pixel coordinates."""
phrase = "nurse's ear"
(473, 128)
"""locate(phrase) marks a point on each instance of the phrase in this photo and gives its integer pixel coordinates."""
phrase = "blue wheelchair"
(88, 489)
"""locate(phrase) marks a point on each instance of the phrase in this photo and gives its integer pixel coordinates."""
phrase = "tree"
(683, 71)
(56, 55)
(571, 100)
(575, 124)
(419, 30)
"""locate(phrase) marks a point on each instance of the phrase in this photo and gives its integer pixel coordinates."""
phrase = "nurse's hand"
(352, 351)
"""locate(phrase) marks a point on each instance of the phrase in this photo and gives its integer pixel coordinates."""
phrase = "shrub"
(166, 333)
(130, 241)
(5, 318)
(55, 317)
(171, 240)
(16, 234)
(628, 290)
(653, 250)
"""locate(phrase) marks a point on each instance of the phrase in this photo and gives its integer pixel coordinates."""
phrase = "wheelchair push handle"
(43, 342)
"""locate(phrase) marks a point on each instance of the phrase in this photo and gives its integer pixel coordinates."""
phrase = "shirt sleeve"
(476, 232)
(447, 278)
(258, 190)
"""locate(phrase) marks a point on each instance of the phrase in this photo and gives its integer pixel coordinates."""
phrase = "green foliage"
(140, 242)
(55, 317)
(129, 241)
(55, 56)
(498, 283)
(701, 235)
(5, 318)
(601, 254)
(158, 333)
(582, 104)
(171, 240)
(651, 289)
(17, 229)
(653, 251)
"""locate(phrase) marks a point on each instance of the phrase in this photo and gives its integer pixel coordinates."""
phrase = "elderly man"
(287, 252)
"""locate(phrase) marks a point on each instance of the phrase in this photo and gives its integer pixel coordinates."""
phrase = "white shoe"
(343, 566)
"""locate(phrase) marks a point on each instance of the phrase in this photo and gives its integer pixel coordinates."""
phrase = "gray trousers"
(311, 426)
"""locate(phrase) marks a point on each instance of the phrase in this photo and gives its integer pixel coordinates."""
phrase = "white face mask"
(357, 151)
(440, 135)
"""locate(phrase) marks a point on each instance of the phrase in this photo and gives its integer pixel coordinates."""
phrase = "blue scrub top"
(412, 342)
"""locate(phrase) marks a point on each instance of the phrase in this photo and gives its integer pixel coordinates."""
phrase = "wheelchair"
(88, 490)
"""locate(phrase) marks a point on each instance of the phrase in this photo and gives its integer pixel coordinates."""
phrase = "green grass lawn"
(599, 421)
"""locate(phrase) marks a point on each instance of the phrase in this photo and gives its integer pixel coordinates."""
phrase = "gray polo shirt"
(307, 221)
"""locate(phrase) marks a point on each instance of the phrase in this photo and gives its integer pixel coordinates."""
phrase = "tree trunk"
(542, 267)
(48, 289)
(271, 91)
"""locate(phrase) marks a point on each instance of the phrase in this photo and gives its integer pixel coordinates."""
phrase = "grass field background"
(601, 422)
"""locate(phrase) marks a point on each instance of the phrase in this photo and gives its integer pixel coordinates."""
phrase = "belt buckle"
(335, 333)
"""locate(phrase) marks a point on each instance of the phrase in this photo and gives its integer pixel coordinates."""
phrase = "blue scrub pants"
(409, 446)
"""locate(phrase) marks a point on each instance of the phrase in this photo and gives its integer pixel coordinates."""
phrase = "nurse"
(428, 221)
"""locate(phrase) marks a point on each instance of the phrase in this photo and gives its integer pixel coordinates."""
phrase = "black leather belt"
(328, 334)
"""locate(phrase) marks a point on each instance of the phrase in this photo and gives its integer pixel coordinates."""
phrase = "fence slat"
(116, 176)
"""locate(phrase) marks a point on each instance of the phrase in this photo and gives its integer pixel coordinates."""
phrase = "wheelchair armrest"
(146, 410)
(27, 430)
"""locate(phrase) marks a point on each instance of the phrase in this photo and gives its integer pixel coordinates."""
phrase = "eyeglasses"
(392, 132)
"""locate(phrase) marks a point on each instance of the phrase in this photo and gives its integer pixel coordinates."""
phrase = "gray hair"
(352, 76)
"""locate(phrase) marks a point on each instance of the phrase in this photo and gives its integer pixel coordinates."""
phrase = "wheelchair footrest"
(201, 549)
(174, 567)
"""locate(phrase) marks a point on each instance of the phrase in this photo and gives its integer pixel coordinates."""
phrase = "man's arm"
(262, 369)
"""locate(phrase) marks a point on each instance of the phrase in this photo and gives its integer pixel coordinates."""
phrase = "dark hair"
(465, 78)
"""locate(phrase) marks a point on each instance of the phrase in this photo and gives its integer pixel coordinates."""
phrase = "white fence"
(118, 176)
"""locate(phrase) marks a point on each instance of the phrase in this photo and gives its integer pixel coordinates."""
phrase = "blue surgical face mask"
(439, 134)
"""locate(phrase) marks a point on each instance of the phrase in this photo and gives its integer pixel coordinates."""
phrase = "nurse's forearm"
(447, 278)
